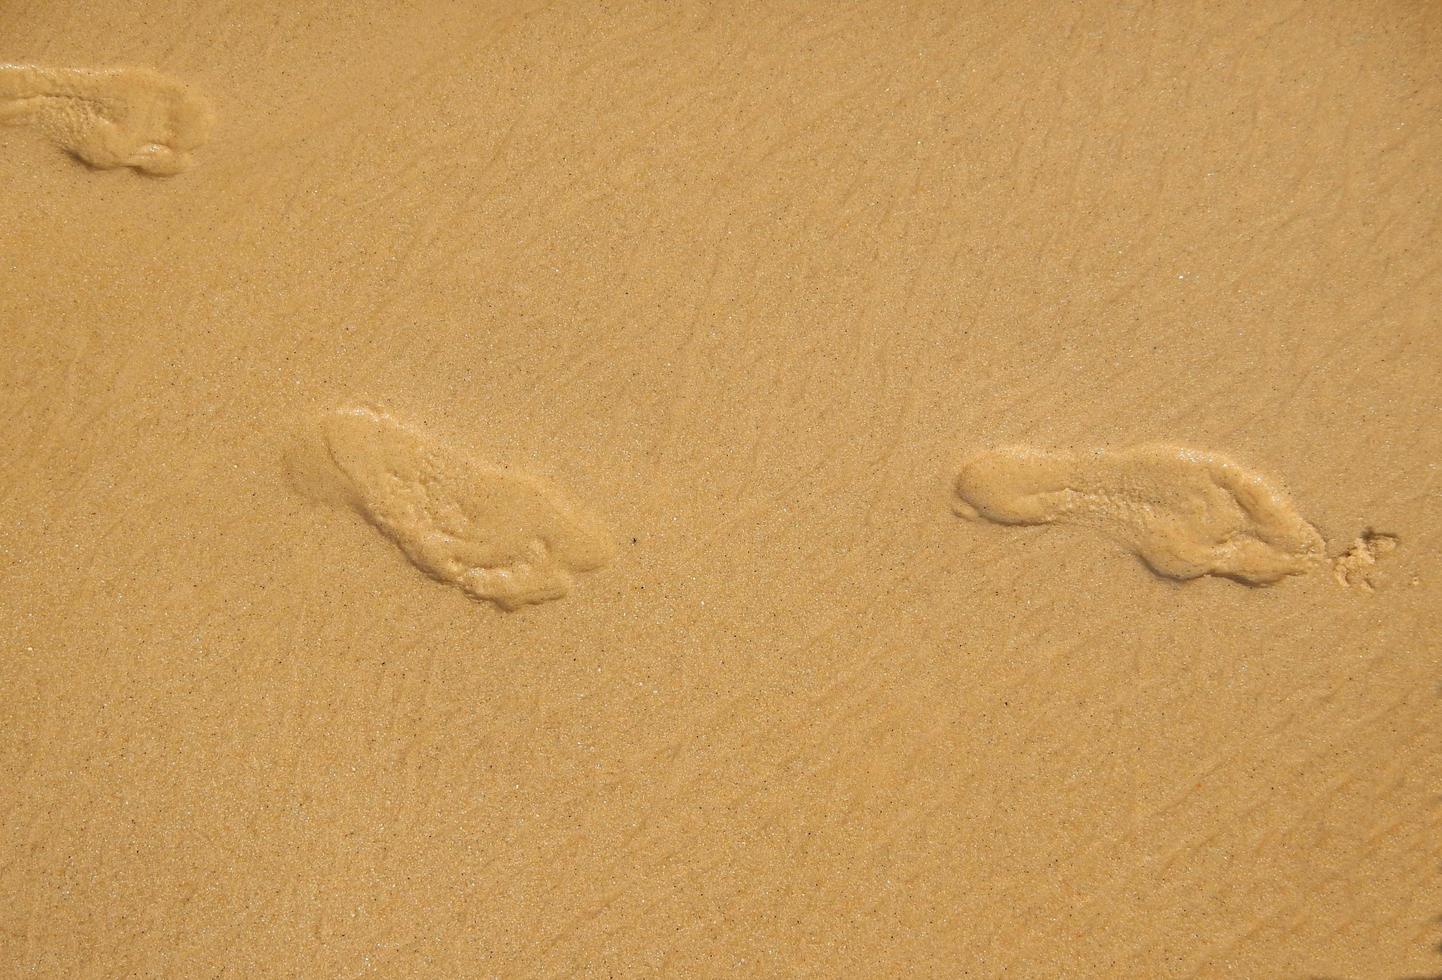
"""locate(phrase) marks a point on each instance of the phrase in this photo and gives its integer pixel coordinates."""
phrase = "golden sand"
(480, 489)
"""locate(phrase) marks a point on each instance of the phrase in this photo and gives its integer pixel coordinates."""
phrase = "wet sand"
(527, 489)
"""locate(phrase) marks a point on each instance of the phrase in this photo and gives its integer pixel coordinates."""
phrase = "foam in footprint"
(124, 117)
(497, 535)
(1184, 512)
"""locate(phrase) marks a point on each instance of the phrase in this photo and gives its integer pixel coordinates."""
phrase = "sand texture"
(885, 489)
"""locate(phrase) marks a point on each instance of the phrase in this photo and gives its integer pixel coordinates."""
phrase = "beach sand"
(755, 489)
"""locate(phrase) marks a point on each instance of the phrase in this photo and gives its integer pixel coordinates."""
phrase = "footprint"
(124, 117)
(496, 535)
(1358, 565)
(1184, 512)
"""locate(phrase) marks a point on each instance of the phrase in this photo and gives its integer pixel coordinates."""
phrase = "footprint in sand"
(1358, 565)
(496, 535)
(1184, 512)
(124, 117)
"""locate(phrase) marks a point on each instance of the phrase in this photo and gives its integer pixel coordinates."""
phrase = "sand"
(780, 489)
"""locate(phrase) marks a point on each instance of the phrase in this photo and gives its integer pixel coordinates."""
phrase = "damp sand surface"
(519, 489)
